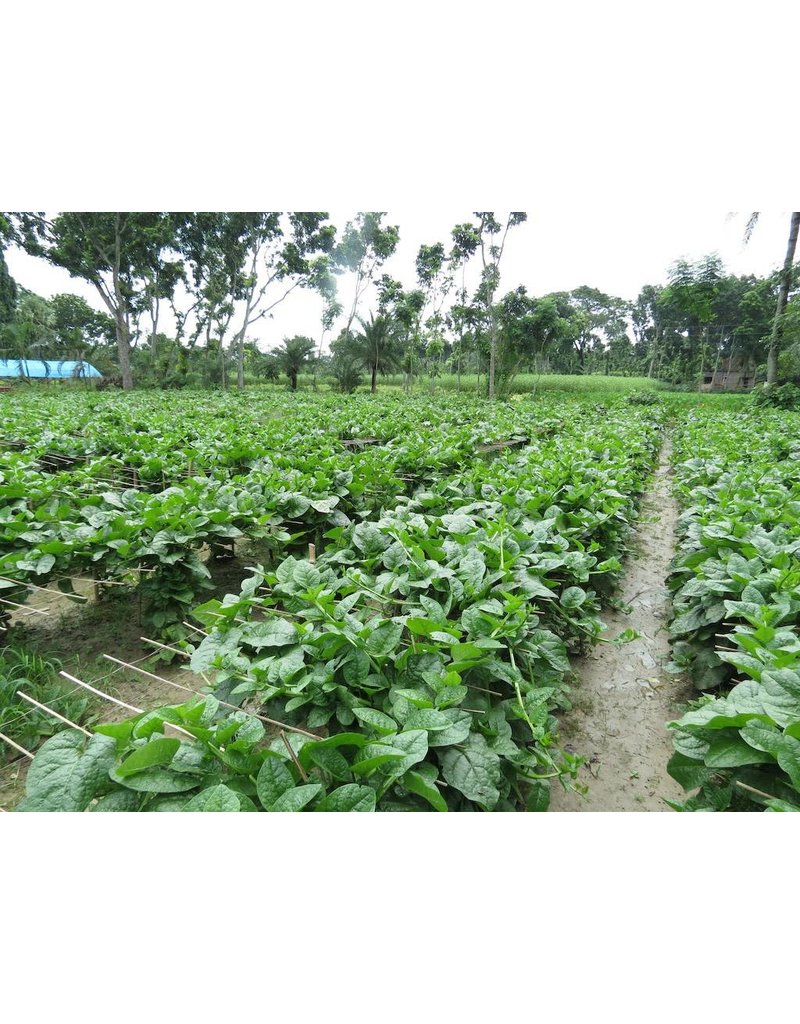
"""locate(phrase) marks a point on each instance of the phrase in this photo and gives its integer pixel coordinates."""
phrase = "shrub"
(777, 396)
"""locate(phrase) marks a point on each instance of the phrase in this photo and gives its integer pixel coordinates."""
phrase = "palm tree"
(379, 346)
(783, 292)
(295, 354)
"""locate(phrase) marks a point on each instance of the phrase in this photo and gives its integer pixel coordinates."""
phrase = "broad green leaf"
(422, 783)
(385, 639)
(273, 780)
(157, 752)
(475, 772)
(275, 632)
(373, 755)
(297, 798)
(68, 772)
(376, 720)
(215, 798)
(572, 598)
(428, 718)
(351, 797)
(119, 800)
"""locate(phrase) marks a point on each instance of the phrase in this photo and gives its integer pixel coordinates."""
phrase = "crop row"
(736, 585)
(56, 524)
(426, 648)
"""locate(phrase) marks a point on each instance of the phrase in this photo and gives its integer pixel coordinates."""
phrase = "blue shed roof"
(53, 369)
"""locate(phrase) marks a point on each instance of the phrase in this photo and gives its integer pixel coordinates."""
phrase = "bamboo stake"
(34, 586)
(758, 792)
(494, 693)
(25, 608)
(165, 647)
(197, 629)
(16, 746)
(99, 693)
(312, 553)
(224, 703)
(293, 756)
(121, 703)
(50, 711)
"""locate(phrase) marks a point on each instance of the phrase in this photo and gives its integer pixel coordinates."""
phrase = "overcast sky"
(615, 250)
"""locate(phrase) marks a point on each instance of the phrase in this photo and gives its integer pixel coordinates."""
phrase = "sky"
(617, 250)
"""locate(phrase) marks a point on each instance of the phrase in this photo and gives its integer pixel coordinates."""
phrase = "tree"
(528, 327)
(404, 308)
(78, 328)
(347, 360)
(8, 293)
(118, 253)
(593, 319)
(295, 354)
(364, 248)
(267, 256)
(379, 347)
(783, 298)
(470, 237)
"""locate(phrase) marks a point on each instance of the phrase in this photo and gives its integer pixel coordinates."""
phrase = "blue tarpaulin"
(43, 369)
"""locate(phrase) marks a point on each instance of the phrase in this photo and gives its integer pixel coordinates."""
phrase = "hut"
(729, 375)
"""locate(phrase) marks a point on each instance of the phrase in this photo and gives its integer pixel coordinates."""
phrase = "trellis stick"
(165, 647)
(24, 607)
(54, 714)
(224, 703)
(293, 756)
(35, 586)
(100, 693)
(16, 746)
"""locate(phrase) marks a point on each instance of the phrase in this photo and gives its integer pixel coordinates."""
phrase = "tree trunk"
(374, 377)
(492, 354)
(240, 364)
(120, 310)
(653, 354)
(783, 297)
(124, 350)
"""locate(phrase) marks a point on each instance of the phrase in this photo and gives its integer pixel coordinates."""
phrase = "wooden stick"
(121, 703)
(25, 608)
(293, 756)
(202, 632)
(34, 586)
(224, 703)
(494, 693)
(312, 553)
(99, 693)
(758, 792)
(16, 746)
(50, 711)
(165, 647)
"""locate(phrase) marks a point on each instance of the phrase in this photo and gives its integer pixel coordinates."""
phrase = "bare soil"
(77, 635)
(624, 698)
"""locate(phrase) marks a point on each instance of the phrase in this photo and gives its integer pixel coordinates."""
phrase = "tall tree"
(273, 262)
(365, 246)
(379, 346)
(118, 253)
(783, 298)
(8, 293)
(482, 236)
(295, 354)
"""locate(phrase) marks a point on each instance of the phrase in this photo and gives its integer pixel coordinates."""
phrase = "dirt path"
(624, 697)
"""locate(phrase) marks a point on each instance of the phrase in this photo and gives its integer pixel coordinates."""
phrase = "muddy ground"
(623, 697)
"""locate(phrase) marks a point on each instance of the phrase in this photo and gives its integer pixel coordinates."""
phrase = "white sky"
(615, 250)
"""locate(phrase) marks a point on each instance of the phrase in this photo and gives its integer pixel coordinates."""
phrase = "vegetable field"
(412, 584)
